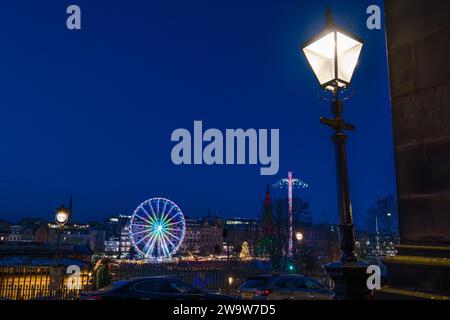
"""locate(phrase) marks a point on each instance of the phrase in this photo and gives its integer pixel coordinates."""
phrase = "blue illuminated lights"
(157, 229)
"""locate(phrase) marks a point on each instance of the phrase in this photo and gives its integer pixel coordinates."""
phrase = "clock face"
(61, 217)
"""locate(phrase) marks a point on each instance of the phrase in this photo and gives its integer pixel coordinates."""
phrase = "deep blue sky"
(90, 112)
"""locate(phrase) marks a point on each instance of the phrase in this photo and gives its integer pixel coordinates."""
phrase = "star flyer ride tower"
(290, 183)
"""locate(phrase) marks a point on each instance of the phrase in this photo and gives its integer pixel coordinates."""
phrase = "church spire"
(268, 199)
(267, 212)
(70, 204)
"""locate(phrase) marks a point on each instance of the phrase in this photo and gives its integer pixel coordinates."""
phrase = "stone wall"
(418, 37)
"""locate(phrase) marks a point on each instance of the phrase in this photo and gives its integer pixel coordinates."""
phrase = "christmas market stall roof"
(40, 262)
(43, 253)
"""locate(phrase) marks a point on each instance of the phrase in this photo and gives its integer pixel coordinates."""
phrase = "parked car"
(151, 288)
(284, 287)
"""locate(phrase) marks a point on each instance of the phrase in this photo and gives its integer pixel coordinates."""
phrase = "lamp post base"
(350, 279)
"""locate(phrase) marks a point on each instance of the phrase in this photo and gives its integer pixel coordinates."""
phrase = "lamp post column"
(58, 244)
(347, 229)
(348, 275)
(300, 260)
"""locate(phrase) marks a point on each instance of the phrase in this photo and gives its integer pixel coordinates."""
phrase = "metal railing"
(53, 282)
(218, 278)
(41, 282)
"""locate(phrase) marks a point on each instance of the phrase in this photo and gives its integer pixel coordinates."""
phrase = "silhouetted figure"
(102, 274)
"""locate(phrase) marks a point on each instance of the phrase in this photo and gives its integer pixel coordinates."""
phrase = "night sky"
(90, 112)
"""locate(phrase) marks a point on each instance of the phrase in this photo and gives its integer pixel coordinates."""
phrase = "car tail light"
(97, 298)
(263, 292)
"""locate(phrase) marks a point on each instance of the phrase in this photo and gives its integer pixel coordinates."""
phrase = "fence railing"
(54, 282)
(213, 277)
(41, 282)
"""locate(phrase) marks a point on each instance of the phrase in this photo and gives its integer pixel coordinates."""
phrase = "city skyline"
(101, 131)
(305, 218)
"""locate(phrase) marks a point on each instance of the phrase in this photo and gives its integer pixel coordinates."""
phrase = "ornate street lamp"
(333, 56)
(62, 216)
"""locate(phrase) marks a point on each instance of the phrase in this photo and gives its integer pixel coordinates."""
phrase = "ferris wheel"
(157, 229)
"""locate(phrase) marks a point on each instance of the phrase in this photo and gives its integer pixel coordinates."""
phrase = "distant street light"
(333, 55)
(299, 238)
(62, 216)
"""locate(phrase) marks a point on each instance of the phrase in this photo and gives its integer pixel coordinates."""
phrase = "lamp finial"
(329, 15)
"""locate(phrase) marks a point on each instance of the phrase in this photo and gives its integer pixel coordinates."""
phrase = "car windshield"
(255, 282)
(287, 283)
(114, 286)
(312, 285)
(181, 287)
(298, 283)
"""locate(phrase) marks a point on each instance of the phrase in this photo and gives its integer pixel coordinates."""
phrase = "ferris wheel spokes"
(143, 238)
(157, 229)
(142, 218)
(152, 218)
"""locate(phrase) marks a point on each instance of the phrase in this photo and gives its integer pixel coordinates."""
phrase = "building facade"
(191, 242)
(15, 233)
(242, 230)
(418, 41)
(117, 241)
(202, 237)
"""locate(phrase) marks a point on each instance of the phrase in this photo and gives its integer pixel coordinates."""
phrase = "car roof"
(137, 279)
(275, 275)
(261, 276)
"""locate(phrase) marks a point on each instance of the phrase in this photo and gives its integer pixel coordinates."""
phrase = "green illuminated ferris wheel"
(157, 229)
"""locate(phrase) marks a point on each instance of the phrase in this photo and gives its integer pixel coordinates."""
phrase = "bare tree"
(279, 248)
(331, 244)
(308, 259)
(383, 215)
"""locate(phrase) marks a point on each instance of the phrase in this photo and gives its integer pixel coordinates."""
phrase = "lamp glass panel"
(348, 50)
(320, 55)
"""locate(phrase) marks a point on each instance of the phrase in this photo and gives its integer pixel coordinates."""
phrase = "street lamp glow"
(299, 236)
(61, 217)
(333, 55)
